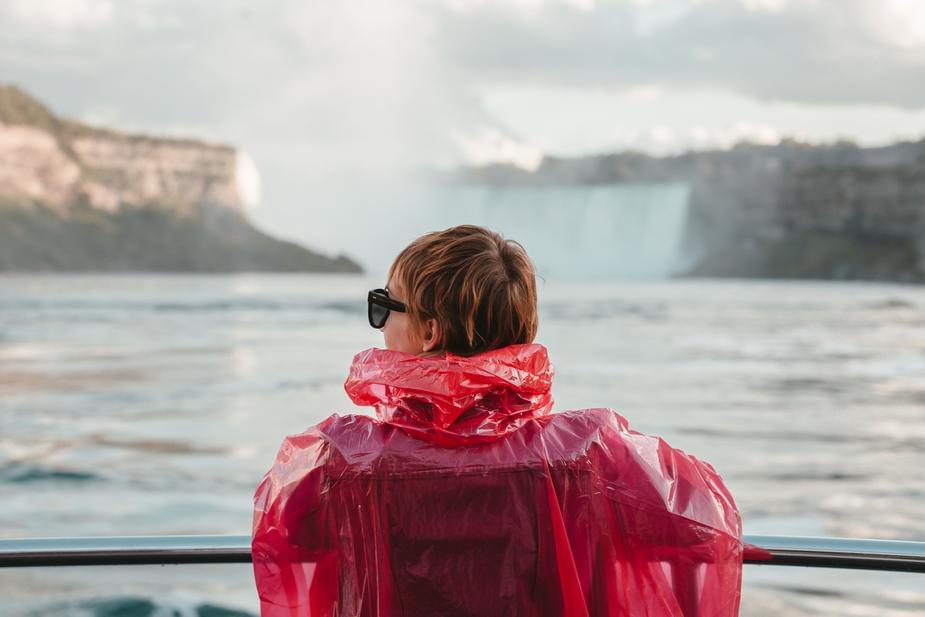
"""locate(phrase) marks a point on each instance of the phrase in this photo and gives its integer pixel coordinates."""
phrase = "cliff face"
(75, 197)
(120, 170)
(791, 210)
(34, 168)
(867, 200)
(57, 162)
(834, 212)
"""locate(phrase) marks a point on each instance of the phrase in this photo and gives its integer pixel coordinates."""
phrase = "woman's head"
(466, 289)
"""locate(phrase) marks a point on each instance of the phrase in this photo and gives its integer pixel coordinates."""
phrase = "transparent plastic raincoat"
(467, 496)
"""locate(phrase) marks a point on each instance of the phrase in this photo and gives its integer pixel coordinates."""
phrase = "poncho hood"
(452, 399)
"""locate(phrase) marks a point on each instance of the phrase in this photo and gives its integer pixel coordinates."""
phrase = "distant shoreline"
(792, 210)
(95, 199)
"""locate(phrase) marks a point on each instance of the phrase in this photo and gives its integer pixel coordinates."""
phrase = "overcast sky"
(319, 89)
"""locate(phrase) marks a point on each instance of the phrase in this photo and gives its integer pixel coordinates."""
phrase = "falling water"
(589, 232)
(629, 231)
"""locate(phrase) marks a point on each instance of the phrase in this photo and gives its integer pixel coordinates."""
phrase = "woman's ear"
(432, 336)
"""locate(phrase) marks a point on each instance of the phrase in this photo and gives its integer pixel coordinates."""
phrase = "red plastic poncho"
(467, 496)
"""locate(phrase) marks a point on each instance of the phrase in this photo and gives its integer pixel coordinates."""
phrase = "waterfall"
(625, 231)
(580, 232)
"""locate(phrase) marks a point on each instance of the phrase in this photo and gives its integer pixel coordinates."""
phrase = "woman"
(467, 495)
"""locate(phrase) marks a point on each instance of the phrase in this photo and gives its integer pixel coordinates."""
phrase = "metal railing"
(889, 555)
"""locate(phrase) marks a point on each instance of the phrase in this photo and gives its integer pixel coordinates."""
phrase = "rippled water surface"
(153, 404)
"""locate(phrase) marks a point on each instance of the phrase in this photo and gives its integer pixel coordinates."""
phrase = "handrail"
(888, 555)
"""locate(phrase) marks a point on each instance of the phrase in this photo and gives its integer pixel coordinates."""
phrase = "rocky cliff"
(792, 210)
(77, 197)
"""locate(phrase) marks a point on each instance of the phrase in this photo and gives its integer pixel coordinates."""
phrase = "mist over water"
(614, 232)
(586, 232)
(152, 404)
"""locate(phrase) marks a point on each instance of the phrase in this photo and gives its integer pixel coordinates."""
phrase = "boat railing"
(816, 552)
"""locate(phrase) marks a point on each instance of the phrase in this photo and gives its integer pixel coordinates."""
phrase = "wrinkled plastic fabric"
(467, 496)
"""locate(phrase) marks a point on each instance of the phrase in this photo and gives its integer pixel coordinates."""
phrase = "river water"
(152, 404)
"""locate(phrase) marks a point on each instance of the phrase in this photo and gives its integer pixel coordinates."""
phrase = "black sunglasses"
(380, 304)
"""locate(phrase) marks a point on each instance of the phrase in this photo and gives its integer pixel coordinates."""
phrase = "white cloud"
(574, 121)
(702, 138)
(661, 139)
(662, 136)
(61, 14)
(490, 145)
(247, 178)
(582, 5)
(804, 51)
(518, 5)
(898, 23)
(767, 6)
(643, 93)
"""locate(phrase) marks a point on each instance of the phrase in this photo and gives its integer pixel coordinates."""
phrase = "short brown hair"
(479, 287)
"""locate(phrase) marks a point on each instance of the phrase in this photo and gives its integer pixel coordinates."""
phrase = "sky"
(321, 94)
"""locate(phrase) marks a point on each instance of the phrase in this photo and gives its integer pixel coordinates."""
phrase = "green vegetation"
(148, 238)
(17, 107)
(71, 129)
